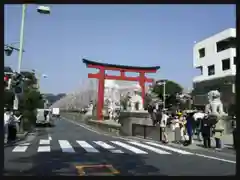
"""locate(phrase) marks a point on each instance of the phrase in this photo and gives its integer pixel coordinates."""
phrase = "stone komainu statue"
(215, 112)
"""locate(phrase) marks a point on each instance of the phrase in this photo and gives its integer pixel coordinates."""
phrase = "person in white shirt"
(198, 117)
(6, 123)
(176, 129)
(163, 125)
(16, 120)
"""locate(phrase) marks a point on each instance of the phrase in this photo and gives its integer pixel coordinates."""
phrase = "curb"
(24, 135)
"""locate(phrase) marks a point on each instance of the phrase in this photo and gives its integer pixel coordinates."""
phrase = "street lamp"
(39, 76)
(41, 10)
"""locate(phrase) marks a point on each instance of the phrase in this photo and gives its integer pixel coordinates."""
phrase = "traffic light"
(17, 84)
(8, 51)
(7, 82)
(6, 78)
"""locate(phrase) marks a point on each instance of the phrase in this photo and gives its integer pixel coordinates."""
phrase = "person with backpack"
(206, 130)
(198, 116)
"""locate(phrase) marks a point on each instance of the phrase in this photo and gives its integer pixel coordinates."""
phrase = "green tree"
(171, 90)
(30, 80)
(29, 101)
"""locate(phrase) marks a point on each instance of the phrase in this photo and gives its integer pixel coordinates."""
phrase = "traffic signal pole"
(21, 38)
(16, 100)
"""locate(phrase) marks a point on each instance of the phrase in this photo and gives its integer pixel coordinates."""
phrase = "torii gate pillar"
(101, 76)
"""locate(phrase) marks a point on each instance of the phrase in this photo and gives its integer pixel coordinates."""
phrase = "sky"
(137, 35)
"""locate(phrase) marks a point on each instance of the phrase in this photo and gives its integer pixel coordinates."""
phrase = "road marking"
(170, 148)
(159, 151)
(128, 147)
(200, 155)
(108, 147)
(92, 130)
(44, 149)
(215, 158)
(66, 146)
(49, 137)
(117, 151)
(24, 144)
(20, 148)
(129, 139)
(44, 142)
(87, 147)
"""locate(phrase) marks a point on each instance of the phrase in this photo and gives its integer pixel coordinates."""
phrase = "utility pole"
(163, 83)
(164, 94)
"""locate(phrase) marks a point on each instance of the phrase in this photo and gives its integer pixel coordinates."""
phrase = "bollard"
(144, 131)
(235, 138)
(160, 135)
(133, 129)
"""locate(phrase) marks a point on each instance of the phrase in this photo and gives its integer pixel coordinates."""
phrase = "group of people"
(11, 124)
(186, 125)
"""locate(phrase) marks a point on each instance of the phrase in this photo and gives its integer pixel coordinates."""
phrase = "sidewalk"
(20, 137)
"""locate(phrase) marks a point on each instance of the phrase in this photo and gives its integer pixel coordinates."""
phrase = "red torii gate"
(101, 76)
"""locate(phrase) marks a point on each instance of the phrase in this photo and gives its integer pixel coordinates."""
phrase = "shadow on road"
(59, 163)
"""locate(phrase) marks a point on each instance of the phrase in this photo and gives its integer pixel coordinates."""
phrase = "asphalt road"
(69, 149)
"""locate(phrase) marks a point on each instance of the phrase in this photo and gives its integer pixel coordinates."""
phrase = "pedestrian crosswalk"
(116, 147)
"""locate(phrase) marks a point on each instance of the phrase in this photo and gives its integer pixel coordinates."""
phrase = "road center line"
(49, 137)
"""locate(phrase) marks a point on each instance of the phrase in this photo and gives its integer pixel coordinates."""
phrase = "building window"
(201, 52)
(234, 60)
(211, 70)
(225, 64)
(226, 44)
(200, 70)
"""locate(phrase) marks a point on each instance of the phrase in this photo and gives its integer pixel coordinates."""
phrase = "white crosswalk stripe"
(108, 147)
(66, 146)
(170, 148)
(20, 148)
(44, 149)
(117, 147)
(44, 142)
(130, 148)
(87, 147)
(159, 151)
